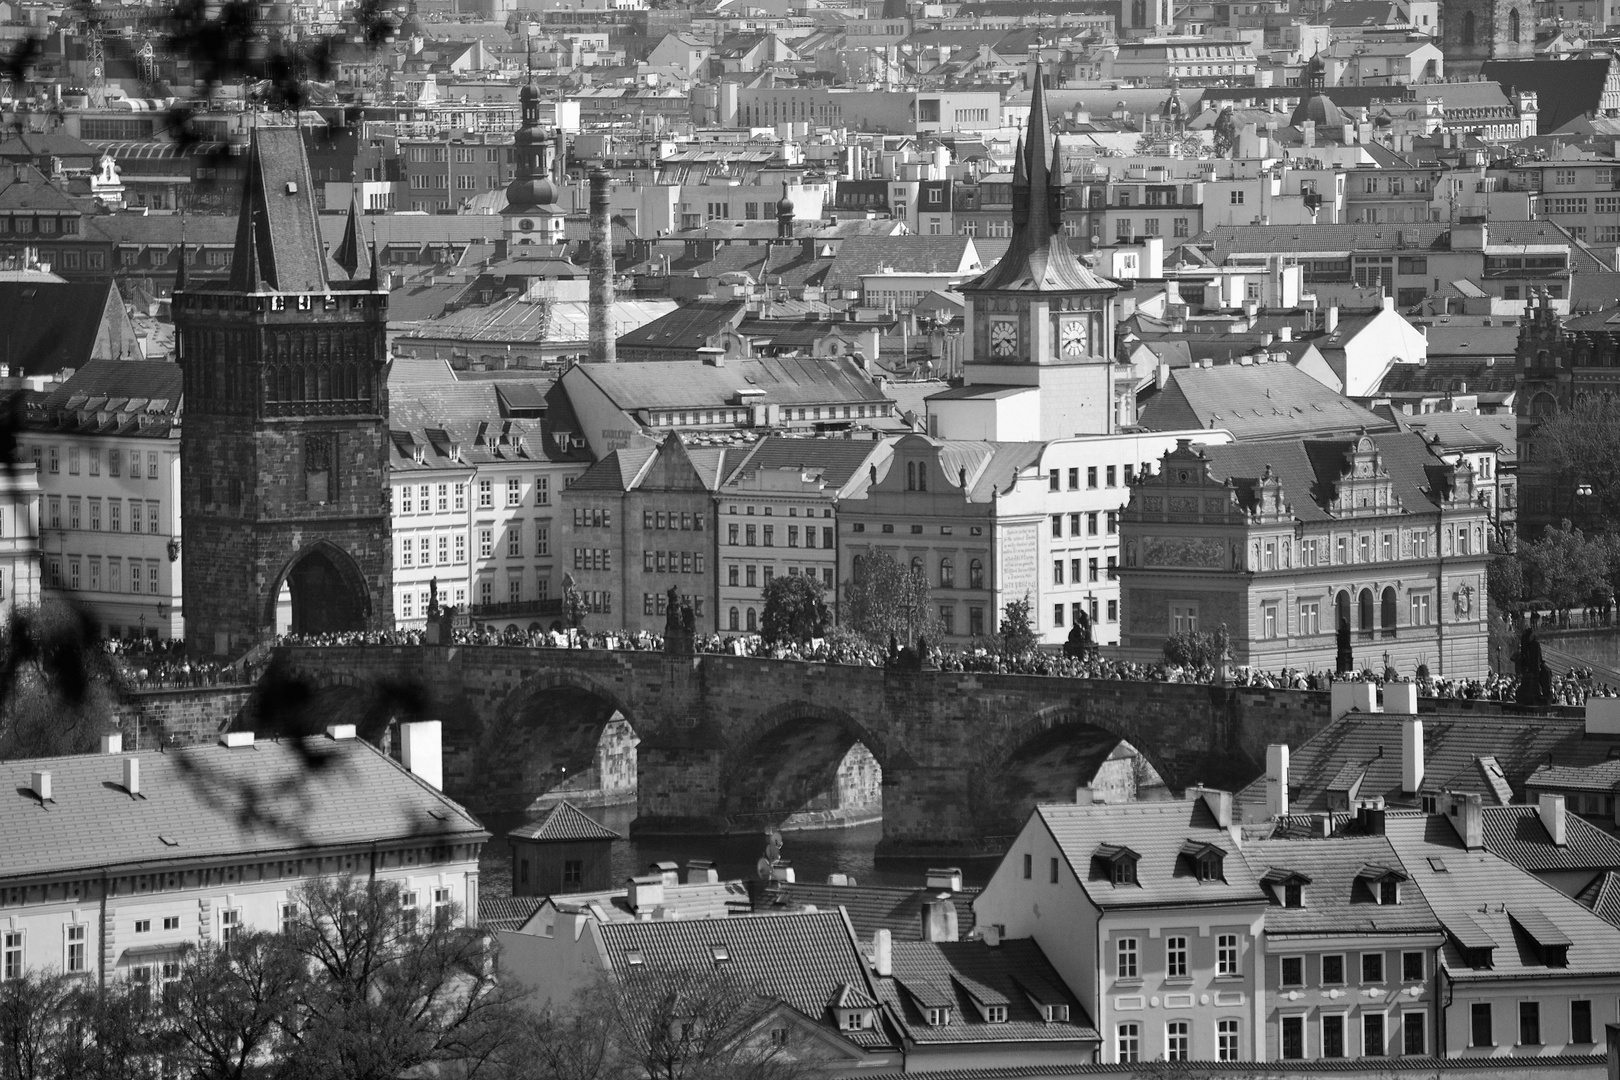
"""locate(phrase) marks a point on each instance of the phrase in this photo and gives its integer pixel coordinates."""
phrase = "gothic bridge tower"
(284, 496)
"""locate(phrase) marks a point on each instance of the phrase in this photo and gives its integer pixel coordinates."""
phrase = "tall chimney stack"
(603, 347)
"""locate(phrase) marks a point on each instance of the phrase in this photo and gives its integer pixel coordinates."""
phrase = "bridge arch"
(559, 734)
(800, 765)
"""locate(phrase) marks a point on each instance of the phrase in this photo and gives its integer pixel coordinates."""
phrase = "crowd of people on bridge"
(1573, 688)
(163, 664)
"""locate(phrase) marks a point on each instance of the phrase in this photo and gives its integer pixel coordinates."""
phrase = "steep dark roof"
(1310, 469)
(505, 912)
(687, 327)
(1517, 834)
(278, 242)
(959, 973)
(1564, 89)
(565, 821)
(46, 326)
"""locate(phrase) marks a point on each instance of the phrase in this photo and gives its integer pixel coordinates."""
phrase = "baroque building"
(1283, 543)
(285, 447)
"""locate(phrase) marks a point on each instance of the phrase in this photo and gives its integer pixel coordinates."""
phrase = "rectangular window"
(1333, 1036)
(514, 541)
(542, 540)
(1125, 958)
(1175, 957)
(1052, 479)
(78, 938)
(1414, 1035)
(230, 925)
(1580, 1022)
(1293, 1037)
(1412, 968)
(1057, 571)
(1091, 523)
(1226, 955)
(1480, 1031)
(11, 955)
(1130, 1042)
(1176, 1041)
(289, 918)
(1029, 867)
(514, 491)
(1057, 526)
(1091, 476)
(444, 551)
(486, 543)
(95, 515)
(1293, 971)
(1372, 1035)
(73, 461)
(1529, 1023)
(151, 464)
(1052, 871)
(1310, 618)
(1268, 620)
(1226, 1040)
(486, 494)
(1372, 967)
(152, 518)
(73, 511)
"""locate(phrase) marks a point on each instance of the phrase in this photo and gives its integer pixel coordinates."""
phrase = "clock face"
(1074, 340)
(1003, 338)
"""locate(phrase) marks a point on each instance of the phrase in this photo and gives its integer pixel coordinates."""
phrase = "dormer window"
(1551, 944)
(720, 953)
(1205, 860)
(1383, 882)
(938, 1017)
(995, 1014)
(1055, 1014)
(1293, 894)
(1114, 863)
(1389, 891)
(855, 1020)
(1287, 887)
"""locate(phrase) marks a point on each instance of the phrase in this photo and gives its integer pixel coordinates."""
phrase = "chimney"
(1400, 698)
(1603, 716)
(603, 347)
(1552, 817)
(949, 877)
(1285, 333)
(1332, 321)
(882, 953)
(642, 894)
(1411, 755)
(339, 732)
(1465, 814)
(421, 750)
(1277, 780)
(668, 872)
(939, 919)
(701, 872)
(236, 739)
(1083, 796)
(112, 744)
(1347, 697)
(132, 775)
(991, 932)
(42, 785)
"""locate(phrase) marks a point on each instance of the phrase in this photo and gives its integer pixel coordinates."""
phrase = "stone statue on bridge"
(1535, 678)
(680, 624)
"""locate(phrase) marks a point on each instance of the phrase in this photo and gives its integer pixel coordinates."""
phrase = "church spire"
(1040, 199)
(180, 281)
(1020, 185)
(347, 254)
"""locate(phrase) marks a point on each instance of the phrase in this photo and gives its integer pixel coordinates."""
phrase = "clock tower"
(1040, 318)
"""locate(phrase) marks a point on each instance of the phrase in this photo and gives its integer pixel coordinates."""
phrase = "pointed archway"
(327, 591)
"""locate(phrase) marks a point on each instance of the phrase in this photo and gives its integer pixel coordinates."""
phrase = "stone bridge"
(724, 739)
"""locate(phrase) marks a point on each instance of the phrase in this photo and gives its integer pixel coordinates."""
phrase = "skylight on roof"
(721, 953)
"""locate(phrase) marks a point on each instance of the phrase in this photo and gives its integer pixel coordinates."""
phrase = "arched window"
(1364, 609)
(733, 622)
(947, 574)
(270, 386)
(1513, 25)
(753, 621)
(911, 476)
(1386, 614)
(858, 567)
(1342, 615)
(975, 574)
(1468, 28)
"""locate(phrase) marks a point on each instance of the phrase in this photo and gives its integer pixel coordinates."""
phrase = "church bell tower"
(284, 494)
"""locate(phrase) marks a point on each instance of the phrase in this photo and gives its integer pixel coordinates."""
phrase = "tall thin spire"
(180, 271)
(1020, 184)
(249, 276)
(347, 254)
(1040, 209)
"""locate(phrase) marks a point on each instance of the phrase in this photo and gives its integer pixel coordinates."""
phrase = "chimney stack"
(1412, 755)
(939, 919)
(132, 775)
(421, 751)
(603, 347)
(1083, 796)
(1466, 816)
(882, 954)
(1277, 780)
(1552, 817)
(41, 781)
(112, 744)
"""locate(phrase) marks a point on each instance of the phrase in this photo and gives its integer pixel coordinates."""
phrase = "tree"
(885, 599)
(231, 1007)
(1505, 580)
(35, 1018)
(1196, 648)
(1566, 569)
(1583, 443)
(1017, 635)
(795, 609)
(390, 993)
(682, 1023)
(57, 688)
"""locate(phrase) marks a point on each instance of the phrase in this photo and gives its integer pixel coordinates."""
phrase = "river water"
(813, 855)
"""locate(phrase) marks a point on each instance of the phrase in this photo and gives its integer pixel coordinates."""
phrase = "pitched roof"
(1156, 831)
(1453, 744)
(210, 802)
(46, 326)
(687, 327)
(1314, 240)
(879, 907)
(1598, 776)
(1517, 834)
(835, 459)
(505, 912)
(861, 255)
(804, 959)
(686, 384)
(1310, 469)
(1260, 401)
(1478, 895)
(278, 241)
(1336, 899)
(1603, 897)
(956, 974)
(564, 821)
